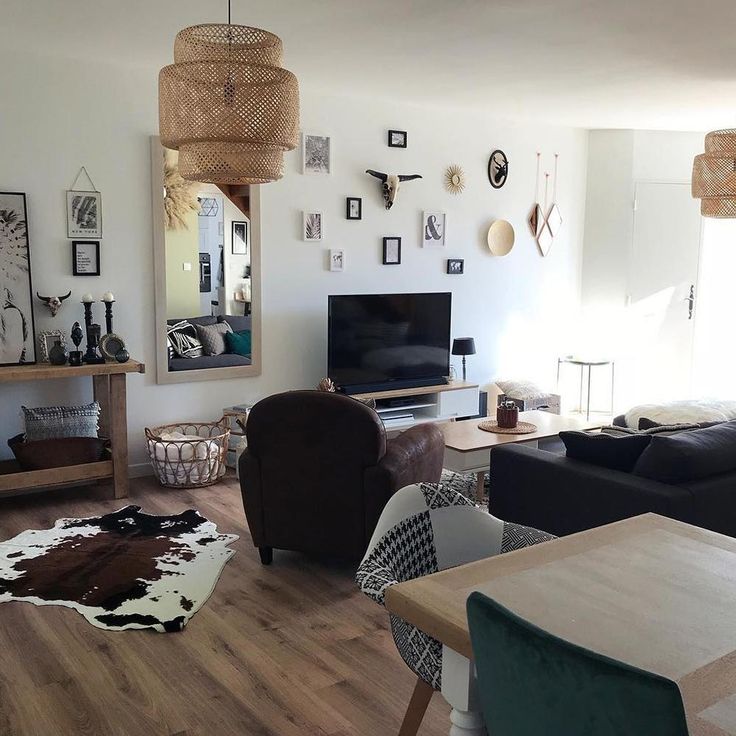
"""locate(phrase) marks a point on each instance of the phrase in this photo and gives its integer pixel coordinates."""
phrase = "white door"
(663, 278)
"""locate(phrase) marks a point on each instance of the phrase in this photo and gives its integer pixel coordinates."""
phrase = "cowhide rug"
(124, 570)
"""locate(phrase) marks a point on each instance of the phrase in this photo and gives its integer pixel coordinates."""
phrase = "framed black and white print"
(354, 208)
(17, 340)
(312, 226)
(391, 251)
(455, 266)
(397, 139)
(84, 214)
(433, 229)
(239, 245)
(86, 258)
(316, 154)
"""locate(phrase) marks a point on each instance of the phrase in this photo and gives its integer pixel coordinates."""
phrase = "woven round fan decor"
(521, 428)
(227, 105)
(501, 238)
(714, 175)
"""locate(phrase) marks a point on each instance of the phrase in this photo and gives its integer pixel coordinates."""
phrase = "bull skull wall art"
(390, 184)
(54, 303)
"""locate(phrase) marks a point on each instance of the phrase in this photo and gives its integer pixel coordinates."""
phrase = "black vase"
(58, 354)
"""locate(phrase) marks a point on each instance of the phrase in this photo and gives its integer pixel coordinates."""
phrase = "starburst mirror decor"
(455, 179)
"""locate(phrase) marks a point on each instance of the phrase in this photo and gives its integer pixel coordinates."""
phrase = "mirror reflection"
(207, 271)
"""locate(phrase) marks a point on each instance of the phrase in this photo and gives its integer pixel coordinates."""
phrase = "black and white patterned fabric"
(182, 341)
(425, 528)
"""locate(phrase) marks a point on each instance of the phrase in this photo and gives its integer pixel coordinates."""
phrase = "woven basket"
(194, 462)
(714, 175)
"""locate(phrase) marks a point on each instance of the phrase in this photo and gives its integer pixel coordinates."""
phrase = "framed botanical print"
(17, 341)
(84, 214)
(86, 258)
(312, 226)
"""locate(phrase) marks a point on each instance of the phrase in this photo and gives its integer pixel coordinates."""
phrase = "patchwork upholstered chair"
(425, 528)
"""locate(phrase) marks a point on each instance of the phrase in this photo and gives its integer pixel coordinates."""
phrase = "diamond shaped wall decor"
(545, 240)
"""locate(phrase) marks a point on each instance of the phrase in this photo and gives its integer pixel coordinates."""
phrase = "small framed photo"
(86, 257)
(455, 266)
(391, 251)
(337, 259)
(433, 229)
(354, 208)
(239, 246)
(397, 139)
(313, 226)
(84, 214)
(316, 154)
(46, 340)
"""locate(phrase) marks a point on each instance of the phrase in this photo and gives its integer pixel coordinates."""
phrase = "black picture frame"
(17, 258)
(77, 246)
(239, 235)
(397, 144)
(348, 202)
(455, 266)
(386, 242)
(498, 168)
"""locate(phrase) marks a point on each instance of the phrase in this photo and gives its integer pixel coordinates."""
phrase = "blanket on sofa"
(691, 411)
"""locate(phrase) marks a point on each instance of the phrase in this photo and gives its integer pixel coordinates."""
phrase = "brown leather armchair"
(319, 470)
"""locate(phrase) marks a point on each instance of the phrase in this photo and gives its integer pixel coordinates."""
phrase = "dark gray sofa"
(690, 476)
(225, 360)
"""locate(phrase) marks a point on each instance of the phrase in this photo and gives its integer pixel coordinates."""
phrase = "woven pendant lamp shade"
(714, 175)
(227, 105)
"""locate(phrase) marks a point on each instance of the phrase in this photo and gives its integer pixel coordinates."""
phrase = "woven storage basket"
(194, 462)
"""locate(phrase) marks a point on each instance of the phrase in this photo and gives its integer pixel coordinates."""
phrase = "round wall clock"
(498, 169)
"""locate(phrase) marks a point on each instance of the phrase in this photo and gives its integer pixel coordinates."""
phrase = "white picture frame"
(337, 260)
(434, 230)
(313, 227)
(316, 154)
(83, 214)
(46, 340)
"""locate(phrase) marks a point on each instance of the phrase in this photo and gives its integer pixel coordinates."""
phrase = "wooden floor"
(287, 650)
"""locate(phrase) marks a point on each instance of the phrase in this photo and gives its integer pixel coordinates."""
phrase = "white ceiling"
(667, 64)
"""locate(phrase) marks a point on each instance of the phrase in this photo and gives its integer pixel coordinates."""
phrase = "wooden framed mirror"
(206, 242)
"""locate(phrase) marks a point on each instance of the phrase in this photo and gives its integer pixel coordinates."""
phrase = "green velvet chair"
(532, 683)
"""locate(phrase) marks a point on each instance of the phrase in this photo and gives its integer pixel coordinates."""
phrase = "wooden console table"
(108, 384)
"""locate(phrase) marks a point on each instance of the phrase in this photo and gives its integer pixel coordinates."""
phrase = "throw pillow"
(49, 422)
(182, 340)
(605, 450)
(688, 456)
(212, 337)
(239, 342)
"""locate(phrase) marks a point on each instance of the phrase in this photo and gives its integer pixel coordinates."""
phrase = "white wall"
(64, 114)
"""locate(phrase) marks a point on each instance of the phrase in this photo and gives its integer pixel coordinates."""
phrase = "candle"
(87, 299)
(108, 297)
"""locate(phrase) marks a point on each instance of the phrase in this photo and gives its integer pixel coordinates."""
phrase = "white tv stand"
(425, 404)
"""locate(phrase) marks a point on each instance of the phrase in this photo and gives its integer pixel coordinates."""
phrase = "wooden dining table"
(655, 593)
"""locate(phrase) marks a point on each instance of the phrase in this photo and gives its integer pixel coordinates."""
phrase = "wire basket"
(194, 461)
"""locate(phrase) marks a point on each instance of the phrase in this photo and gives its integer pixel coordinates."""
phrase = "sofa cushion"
(648, 425)
(226, 360)
(238, 342)
(212, 337)
(605, 450)
(237, 322)
(689, 455)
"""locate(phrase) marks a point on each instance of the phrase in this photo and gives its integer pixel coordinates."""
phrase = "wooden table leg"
(480, 486)
(119, 434)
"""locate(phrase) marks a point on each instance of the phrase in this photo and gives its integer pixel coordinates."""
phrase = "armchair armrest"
(564, 496)
(415, 456)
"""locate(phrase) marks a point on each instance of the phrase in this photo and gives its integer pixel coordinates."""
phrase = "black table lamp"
(463, 346)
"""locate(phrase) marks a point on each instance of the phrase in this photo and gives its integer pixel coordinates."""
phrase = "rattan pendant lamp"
(714, 175)
(227, 105)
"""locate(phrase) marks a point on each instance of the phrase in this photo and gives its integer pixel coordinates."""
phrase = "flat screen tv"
(385, 341)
